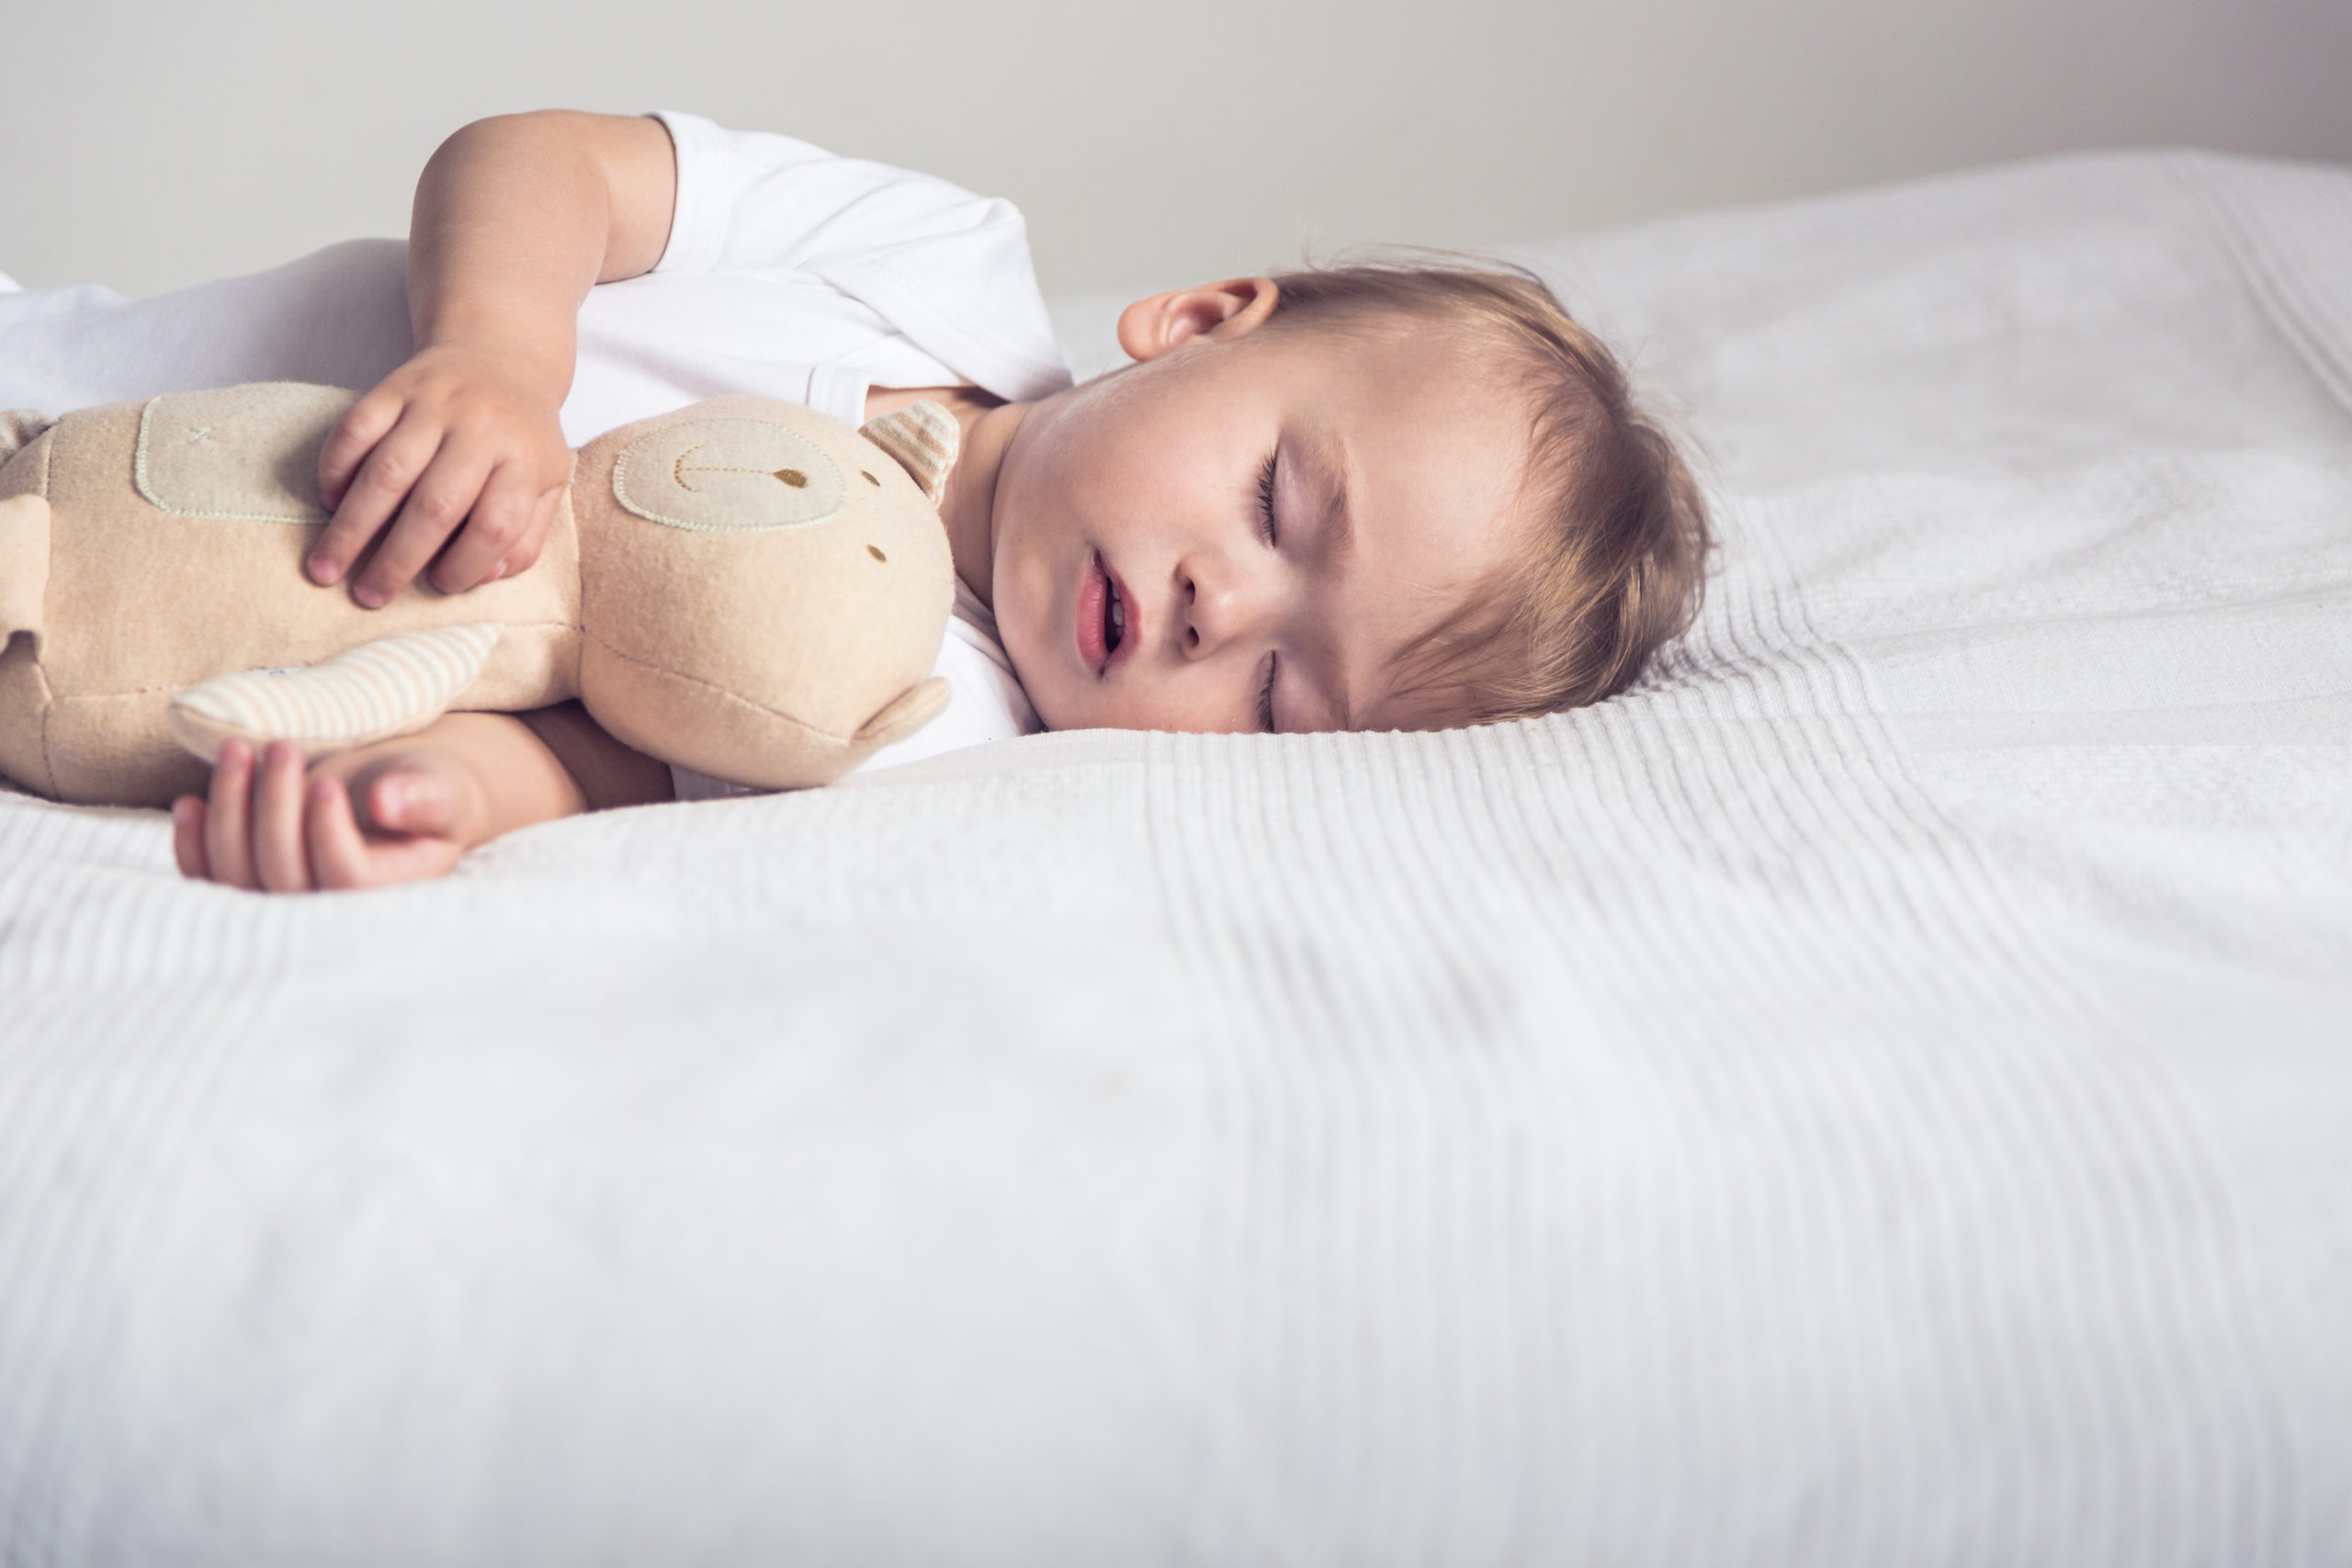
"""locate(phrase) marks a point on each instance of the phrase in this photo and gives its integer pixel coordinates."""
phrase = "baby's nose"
(1218, 606)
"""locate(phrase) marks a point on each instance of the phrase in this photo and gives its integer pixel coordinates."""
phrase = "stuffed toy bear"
(745, 587)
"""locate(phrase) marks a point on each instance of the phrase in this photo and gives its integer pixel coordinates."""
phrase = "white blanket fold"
(1878, 1094)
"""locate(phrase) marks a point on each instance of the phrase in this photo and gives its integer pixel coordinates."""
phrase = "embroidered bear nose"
(727, 476)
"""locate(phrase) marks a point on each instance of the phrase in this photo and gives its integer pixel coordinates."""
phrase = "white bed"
(1880, 1094)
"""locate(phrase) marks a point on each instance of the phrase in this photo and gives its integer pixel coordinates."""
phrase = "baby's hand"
(459, 434)
(269, 826)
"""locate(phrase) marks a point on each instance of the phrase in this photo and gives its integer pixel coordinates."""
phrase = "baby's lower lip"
(1093, 595)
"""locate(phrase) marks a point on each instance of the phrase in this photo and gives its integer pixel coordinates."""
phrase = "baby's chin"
(1060, 709)
(1066, 701)
(1033, 669)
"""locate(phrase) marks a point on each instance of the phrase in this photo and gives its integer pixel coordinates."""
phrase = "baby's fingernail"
(371, 596)
(323, 571)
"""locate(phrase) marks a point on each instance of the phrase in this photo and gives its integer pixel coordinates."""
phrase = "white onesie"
(790, 273)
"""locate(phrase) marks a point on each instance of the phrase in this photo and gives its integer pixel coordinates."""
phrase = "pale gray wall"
(153, 145)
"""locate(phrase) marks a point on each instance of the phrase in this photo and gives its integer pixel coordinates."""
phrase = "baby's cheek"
(1027, 608)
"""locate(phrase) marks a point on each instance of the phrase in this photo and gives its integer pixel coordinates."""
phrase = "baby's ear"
(1233, 308)
(905, 713)
(923, 437)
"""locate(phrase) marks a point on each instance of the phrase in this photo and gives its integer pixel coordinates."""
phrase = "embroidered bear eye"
(794, 478)
(878, 555)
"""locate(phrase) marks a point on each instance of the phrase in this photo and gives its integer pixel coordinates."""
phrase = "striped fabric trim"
(924, 440)
(390, 686)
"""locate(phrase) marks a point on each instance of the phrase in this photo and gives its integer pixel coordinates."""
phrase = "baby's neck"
(968, 506)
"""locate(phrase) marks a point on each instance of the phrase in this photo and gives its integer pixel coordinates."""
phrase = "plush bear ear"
(923, 437)
(905, 713)
(24, 564)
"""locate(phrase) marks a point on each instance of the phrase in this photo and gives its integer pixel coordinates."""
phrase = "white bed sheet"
(1879, 1094)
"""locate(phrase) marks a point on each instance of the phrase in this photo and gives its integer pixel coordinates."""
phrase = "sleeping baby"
(1372, 497)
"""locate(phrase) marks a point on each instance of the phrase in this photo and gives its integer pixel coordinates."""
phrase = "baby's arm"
(516, 218)
(402, 809)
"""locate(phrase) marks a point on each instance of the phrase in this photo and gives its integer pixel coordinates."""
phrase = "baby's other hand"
(460, 435)
(389, 817)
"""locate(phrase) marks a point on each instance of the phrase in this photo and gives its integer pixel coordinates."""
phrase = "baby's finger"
(364, 425)
(416, 804)
(279, 862)
(436, 508)
(500, 524)
(376, 493)
(227, 850)
(338, 854)
(188, 837)
(525, 555)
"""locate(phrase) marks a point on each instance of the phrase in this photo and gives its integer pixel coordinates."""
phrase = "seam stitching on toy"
(799, 724)
(48, 708)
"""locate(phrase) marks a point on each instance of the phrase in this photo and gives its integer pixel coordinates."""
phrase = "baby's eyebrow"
(1326, 455)
(1335, 541)
(1321, 460)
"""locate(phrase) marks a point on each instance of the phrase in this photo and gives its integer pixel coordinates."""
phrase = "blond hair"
(1617, 560)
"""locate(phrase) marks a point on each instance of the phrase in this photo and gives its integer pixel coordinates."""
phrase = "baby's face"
(1242, 532)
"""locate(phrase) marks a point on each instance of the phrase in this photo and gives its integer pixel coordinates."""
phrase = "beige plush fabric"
(721, 615)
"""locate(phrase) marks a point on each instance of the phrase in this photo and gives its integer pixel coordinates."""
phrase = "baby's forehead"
(1428, 382)
(1444, 533)
(1459, 337)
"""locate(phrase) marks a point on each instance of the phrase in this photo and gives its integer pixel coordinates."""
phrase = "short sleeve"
(949, 270)
(698, 219)
(754, 201)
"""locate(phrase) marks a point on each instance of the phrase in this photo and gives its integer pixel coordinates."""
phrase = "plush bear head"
(762, 585)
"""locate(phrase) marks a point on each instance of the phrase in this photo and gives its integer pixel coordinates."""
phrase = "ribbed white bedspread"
(1880, 1095)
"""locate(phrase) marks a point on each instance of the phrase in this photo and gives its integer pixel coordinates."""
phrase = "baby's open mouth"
(1104, 612)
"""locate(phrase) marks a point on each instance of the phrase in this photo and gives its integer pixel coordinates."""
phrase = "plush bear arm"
(394, 686)
(905, 713)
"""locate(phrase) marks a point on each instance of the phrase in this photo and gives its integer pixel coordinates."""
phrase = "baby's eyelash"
(1266, 699)
(1266, 499)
